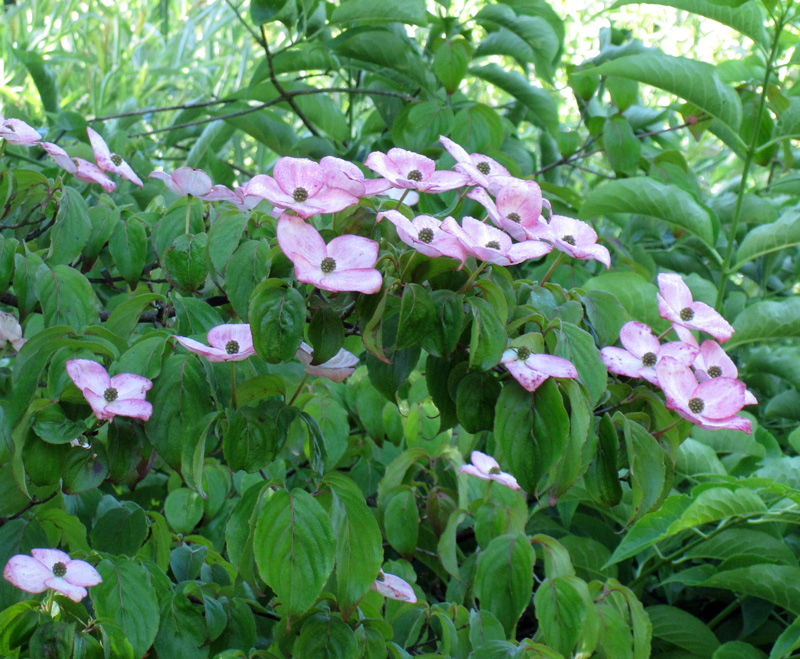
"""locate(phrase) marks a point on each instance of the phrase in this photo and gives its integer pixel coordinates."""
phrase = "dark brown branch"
(168, 108)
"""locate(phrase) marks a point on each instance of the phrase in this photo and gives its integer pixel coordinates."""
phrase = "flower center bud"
(328, 265)
(686, 314)
(110, 394)
(514, 217)
(649, 359)
(696, 405)
(59, 569)
(494, 471)
(484, 168)
(414, 175)
(714, 371)
(232, 347)
(493, 244)
(117, 160)
(425, 235)
(11, 128)
(570, 240)
(300, 194)
(523, 353)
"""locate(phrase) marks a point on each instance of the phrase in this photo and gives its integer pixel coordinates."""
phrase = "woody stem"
(552, 269)
(299, 389)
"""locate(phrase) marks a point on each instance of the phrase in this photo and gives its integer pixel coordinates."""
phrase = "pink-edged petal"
(706, 319)
(676, 380)
(17, 132)
(529, 378)
(622, 362)
(443, 181)
(98, 404)
(212, 354)
(26, 573)
(306, 272)
(329, 200)
(380, 163)
(192, 181)
(126, 172)
(81, 573)
(594, 253)
(219, 336)
(674, 290)
(683, 353)
(138, 409)
(683, 333)
(298, 238)
(49, 557)
(472, 470)
(473, 175)
(638, 339)
(87, 374)
(61, 157)
(90, 173)
(343, 175)
(483, 462)
(353, 252)
(395, 588)
(333, 374)
(407, 232)
(163, 176)
(749, 398)
(523, 198)
(732, 423)
(496, 170)
(554, 367)
(102, 154)
(75, 593)
(713, 355)
(366, 281)
(373, 186)
(480, 234)
(129, 385)
(722, 397)
(292, 173)
(221, 193)
(408, 161)
(528, 250)
(455, 150)
(338, 368)
(505, 479)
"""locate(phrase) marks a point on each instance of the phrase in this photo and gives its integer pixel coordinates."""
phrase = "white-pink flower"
(345, 264)
(338, 368)
(110, 162)
(394, 588)
(122, 395)
(675, 303)
(486, 467)
(406, 169)
(531, 369)
(713, 362)
(51, 568)
(10, 331)
(424, 233)
(185, 181)
(226, 343)
(18, 133)
(81, 169)
(572, 237)
(346, 176)
(479, 169)
(487, 243)
(518, 205)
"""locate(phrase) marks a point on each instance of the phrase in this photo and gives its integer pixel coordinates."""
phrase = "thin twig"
(166, 108)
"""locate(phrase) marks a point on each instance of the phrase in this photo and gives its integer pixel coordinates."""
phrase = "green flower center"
(59, 569)
(328, 265)
(117, 160)
(523, 353)
(11, 128)
(300, 194)
(110, 394)
(570, 240)
(649, 359)
(493, 244)
(514, 217)
(425, 235)
(484, 168)
(714, 371)
(414, 175)
(232, 347)
(686, 314)
(696, 405)
(494, 471)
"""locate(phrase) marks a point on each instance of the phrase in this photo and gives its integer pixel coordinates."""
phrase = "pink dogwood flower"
(226, 343)
(299, 185)
(642, 352)
(479, 169)
(532, 369)
(122, 395)
(10, 331)
(337, 369)
(424, 233)
(18, 133)
(713, 362)
(345, 264)
(518, 205)
(185, 181)
(394, 588)
(346, 176)
(81, 169)
(406, 169)
(675, 303)
(487, 468)
(711, 404)
(489, 244)
(111, 162)
(572, 237)
(51, 568)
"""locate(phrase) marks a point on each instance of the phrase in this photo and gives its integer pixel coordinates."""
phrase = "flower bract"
(486, 467)
(338, 368)
(226, 343)
(394, 588)
(675, 303)
(51, 568)
(122, 395)
(532, 369)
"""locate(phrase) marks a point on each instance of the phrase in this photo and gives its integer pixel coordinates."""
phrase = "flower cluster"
(699, 382)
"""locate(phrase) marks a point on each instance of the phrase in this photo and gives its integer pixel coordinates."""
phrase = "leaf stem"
(552, 269)
(299, 389)
(233, 385)
(472, 278)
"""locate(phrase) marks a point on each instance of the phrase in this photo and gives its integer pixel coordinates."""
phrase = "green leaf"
(742, 542)
(513, 431)
(256, 433)
(621, 146)
(411, 12)
(488, 336)
(128, 247)
(602, 477)
(266, 11)
(504, 578)
(738, 650)
(184, 262)
(634, 292)
(125, 317)
(775, 583)
(579, 347)
(326, 334)
(716, 504)
(789, 123)
(682, 629)
(120, 530)
(450, 63)
(43, 77)
(769, 238)
(223, 239)
(767, 320)
(646, 196)
(327, 637)
(787, 642)
(417, 315)
(650, 479)
(182, 632)
(294, 548)
(567, 616)
(388, 378)
(476, 396)
(277, 316)
(246, 268)
(183, 509)
(72, 228)
(66, 296)
(127, 596)
(691, 80)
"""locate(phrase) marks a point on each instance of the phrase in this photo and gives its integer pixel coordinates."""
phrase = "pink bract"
(90, 173)
(122, 395)
(518, 205)
(338, 368)
(226, 343)
(406, 169)
(185, 181)
(10, 331)
(18, 133)
(346, 176)
(345, 264)
(487, 468)
(711, 404)
(424, 233)
(713, 362)
(479, 169)
(675, 303)
(572, 237)
(642, 352)
(487, 243)
(394, 588)
(110, 162)
(51, 568)
(532, 369)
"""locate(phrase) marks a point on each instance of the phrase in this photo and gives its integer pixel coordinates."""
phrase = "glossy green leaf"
(767, 320)
(769, 238)
(128, 247)
(66, 296)
(411, 12)
(621, 146)
(71, 231)
(277, 315)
